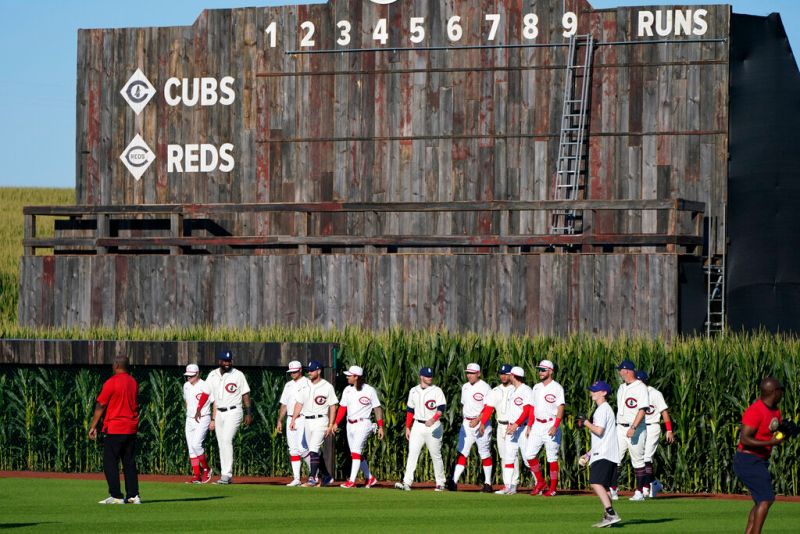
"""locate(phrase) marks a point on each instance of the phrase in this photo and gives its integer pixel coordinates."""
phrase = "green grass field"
(70, 506)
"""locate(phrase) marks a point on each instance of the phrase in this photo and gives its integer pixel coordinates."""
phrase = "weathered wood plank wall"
(407, 126)
(548, 293)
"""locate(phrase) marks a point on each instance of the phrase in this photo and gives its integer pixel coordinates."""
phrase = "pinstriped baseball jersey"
(425, 401)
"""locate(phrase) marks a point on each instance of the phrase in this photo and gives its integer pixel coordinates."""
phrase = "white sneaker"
(111, 500)
(294, 483)
(512, 490)
(655, 488)
(637, 496)
(608, 520)
(402, 486)
(503, 491)
(134, 500)
(613, 495)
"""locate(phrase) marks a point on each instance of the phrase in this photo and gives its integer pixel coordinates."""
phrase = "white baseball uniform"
(499, 401)
(227, 390)
(359, 406)
(630, 399)
(316, 400)
(295, 439)
(196, 430)
(546, 401)
(653, 421)
(516, 442)
(473, 399)
(425, 403)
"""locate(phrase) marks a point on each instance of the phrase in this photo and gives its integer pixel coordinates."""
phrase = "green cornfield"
(45, 411)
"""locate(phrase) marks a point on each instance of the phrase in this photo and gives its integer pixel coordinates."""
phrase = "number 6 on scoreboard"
(454, 31)
(494, 18)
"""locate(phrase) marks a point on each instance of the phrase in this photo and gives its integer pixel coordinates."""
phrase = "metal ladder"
(572, 141)
(714, 269)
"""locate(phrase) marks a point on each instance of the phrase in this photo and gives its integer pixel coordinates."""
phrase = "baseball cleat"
(512, 490)
(538, 488)
(487, 488)
(326, 480)
(349, 484)
(133, 500)
(450, 485)
(505, 491)
(224, 481)
(193, 480)
(637, 496)
(206, 478)
(549, 493)
(646, 492)
(294, 483)
(402, 486)
(371, 482)
(312, 482)
(440, 488)
(111, 500)
(613, 495)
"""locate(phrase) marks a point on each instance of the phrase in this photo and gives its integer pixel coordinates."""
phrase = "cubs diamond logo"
(138, 91)
(630, 402)
(431, 404)
(320, 399)
(231, 388)
(650, 410)
(364, 401)
(137, 157)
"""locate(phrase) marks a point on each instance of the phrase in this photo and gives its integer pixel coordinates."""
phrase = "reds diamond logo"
(138, 91)
(518, 401)
(550, 398)
(364, 401)
(478, 397)
(630, 402)
(231, 388)
(431, 404)
(137, 157)
(320, 399)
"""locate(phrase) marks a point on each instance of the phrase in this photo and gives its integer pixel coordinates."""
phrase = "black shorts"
(603, 472)
(753, 471)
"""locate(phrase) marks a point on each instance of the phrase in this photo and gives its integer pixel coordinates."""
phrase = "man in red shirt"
(756, 439)
(117, 400)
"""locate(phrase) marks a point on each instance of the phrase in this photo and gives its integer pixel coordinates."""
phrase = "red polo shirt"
(122, 410)
(759, 416)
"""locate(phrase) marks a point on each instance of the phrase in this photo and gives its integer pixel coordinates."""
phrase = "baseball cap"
(642, 375)
(427, 372)
(505, 369)
(600, 385)
(225, 355)
(294, 366)
(545, 364)
(473, 368)
(517, 371)
(191, 370)
(626, 364)
(354, 371)
(313, 365)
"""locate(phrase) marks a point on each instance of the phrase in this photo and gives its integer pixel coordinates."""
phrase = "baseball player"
(474, 395)
(632, 404)
(518, 409)
(498, 401)
(359, 400)
(655, 411)
(548, 410)
(425, 406)
(198, 400)
(317, 405)
(604, 454)
(295, 439)
(230, 393)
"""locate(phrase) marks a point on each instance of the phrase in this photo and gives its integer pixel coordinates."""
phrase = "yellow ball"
(779, 435)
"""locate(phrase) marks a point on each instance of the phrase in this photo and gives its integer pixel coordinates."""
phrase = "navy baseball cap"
(313, 365)
(626, 364)
(225, 355)
(642, 375)
(427, 372)
(505, 369)
(600, 385)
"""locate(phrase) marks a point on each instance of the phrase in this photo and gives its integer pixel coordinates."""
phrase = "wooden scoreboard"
(396, 163)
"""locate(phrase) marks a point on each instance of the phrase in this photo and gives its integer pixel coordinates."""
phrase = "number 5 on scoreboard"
(417, 29)
(494, 18)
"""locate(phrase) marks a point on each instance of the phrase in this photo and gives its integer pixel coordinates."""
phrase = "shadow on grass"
(20, 525)
(190, 499)
(626, 522)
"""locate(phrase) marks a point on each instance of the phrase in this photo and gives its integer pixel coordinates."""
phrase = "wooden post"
(29, 232)
(370, 227)
(303, 223)
(672, 226)
(329, 374)
(101, 232)
(505, 223)
(176, 231)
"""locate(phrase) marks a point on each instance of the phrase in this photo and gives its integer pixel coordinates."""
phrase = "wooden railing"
(97, 220)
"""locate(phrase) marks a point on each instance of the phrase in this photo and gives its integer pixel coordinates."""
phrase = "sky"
(38, 42)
